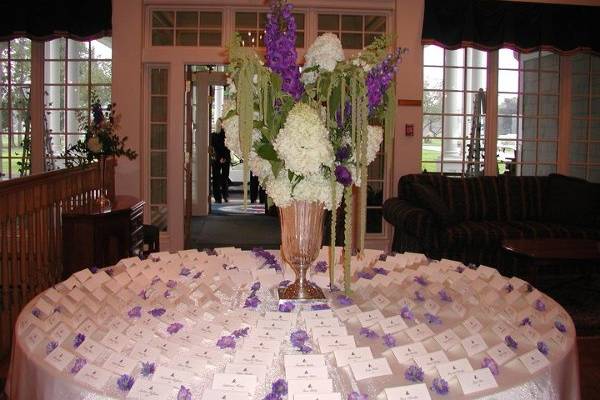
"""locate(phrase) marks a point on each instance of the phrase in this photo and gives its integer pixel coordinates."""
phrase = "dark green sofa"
(466, 219)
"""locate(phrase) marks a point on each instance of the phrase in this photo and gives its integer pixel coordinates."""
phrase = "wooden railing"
(31, 233)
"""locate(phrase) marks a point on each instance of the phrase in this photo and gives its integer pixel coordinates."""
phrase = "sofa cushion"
(544, 230)
(475, 199)
(572, 201)
(429, 198)
(479, 233)
(523, 196)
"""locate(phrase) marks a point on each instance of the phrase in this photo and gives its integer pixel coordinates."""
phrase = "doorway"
(208, 222)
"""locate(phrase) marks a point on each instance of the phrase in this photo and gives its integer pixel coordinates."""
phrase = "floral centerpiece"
(309, 135)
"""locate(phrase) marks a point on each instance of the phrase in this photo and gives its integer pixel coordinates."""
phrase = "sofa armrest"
(406, 217)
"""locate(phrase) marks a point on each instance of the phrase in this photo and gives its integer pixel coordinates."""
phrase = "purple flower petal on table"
(529, 288)
(155, 280)
(421, 280)
(272, 396)
(419, 296)
(174, 328)
(320, 307)
(357, 396)
(405, 313)
(539, 305)
(305, 349)
(414, 374)
(226, 342)
(509, 288)
(286, 306)
(184, 393)
(543, 348)
(211, 252)
(51, 346)
(157, 312)
(284, 283)
(36, 312)
(369, 333)
(78, 339)
(525, 321)
(560, 326)
(252, 302)
(298, 337)
(321, 266)
(197, 275)
(381, 271)
(365, 275)
(444, 296)
(167, 294)
(280, 387)
(171, 284)
(56, 310)
(135, 312)
(333, 288)
(460, 269)
(255, 286)
(344, 300)
(93, 270)
(143, 294)
(125, 382)
(148, 368)
(109, 272)
(440, 386)
(511, 342)
(185, 271)
(389, 340)
(242, 332)
(488, 362)
(433, 319)
(79, 363)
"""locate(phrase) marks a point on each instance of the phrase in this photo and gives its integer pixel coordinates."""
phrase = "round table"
(196, 325)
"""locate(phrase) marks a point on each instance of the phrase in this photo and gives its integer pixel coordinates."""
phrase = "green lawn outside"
(430, 158)
(16, 157)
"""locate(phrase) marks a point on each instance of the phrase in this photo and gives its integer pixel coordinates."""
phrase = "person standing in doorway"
(221, 160)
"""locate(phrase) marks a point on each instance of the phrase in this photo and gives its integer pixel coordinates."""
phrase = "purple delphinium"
(440, 386)
(543, 348)
(511, 342)
(280, 387)
(433, 319)
(321, 266)
(509, 288)
(320, 306)
(125, 382)
(357, 396)
(380, 271)
(560, 326)
(280, 44)
(525, 321)
(226, 342)
(148, 368)
(414, 374)
(171, 284)
(488, 362)
(421, 280)
(298, 338)
(369, 333)
(365, 275)
(51, 346)
(174, 328)
(252, 302)
(343, 175)
(157, 312)
(405, 313)
(343, 153)
(539, 305)
(79, 363)
(344, 300)
(444, 296)
(379, 78)
(389, 340)
(242, 332)
(185, 271)
(184, 393)
(419, 296)
(78, 339)
(135, 312)
(286, 306)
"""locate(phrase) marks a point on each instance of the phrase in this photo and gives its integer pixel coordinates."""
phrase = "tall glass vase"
(103, 202)
(301, 236)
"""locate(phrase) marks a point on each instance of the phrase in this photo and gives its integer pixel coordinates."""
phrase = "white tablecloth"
(201, 288)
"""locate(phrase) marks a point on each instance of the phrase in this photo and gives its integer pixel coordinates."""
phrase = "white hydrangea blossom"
(325, 52)
(231, 126)
(303, 142)
(374, 139)
(260, 167)
(279, 189)
(317, 188)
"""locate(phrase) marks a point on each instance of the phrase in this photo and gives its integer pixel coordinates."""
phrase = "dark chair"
(151, 239)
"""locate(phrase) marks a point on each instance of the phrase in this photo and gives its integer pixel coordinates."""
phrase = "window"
(453, 111)
(159, 81)
(73, 72)
(375, 191)
(354, 31)
(584, 148)
(15, 118)
(186, 28)
(528, 95)
(251, 26)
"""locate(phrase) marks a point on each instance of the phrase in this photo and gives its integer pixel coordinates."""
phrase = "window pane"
(433, 55)
(186, 19)
(453, 103)
(158, 136)
(299, 17)
(476, 58)
(158, 109)
(578, 152)
(508, 81)
(374, 23)
(101, 72)
(77, 72)
(20, 97)
(158, 191)
(352, 23)
(246, 20)
(186, 38)
(77, 96)
(454, 79)
(211, 19)
(508, 59)
(77, 50)
(433, 77)
(210, 38)
(158, 164)
(327, 22)
(162, 37)
(162, 19)
(101, 49)
(158, 82)
(21, 71)
(455, 58)
(351, 40)
(476, 79)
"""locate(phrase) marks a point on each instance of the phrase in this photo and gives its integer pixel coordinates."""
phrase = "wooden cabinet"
(95, 239)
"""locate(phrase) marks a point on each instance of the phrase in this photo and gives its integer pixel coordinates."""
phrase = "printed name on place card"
(145, 352)
(447, 339)
(186, 361)
(314, 314)
(90, 349)
(476, 381)
(53, 295)
(35, 337)
(556, 338)
(534, 361)
(406, 353)
(369, 318)
(329, 344)
(346, 312)
(143, 389)
(173, 377)
(501, 353)
(474, 344)
(83, 275)
(301, 386)
(59, 358)
(472, 325)
(349, 356)
(61, 333)
(253, 357)
(393, 324)
(430, 360)
(408, 392)
(380, 301)
(93, 375)
(318, 396)
(304, 360)
(329, 332)
(235, 382)
(370, 368)
(260, 371)
(120, 364)
(419, 332)
(115, 340)
(322, 323)
(305, 372)
(450, 369)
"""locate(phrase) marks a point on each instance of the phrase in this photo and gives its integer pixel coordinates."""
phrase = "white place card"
(474, 344)
(113, 285)
(346, 312)
(253, 357)
(247, 369)
(45, 307)
(304, 360)
(120, 364)
(318, 396)
(302, 386)
(419, 332)
(256, 345)
(212, 354)
(530, 334)
(212, 394)
(330, 332)
(408, 392)
(208, 330)
(369, 318)
(404, 354)
(380, 301)
(315, 314)
(24, 322)
(115, 341)
(59, 358)
(166, 346)
(393, 324)
(370, 368)
(501, 329)
(68, 284)
(267, 334)
(53, 295)
(431, 306)
(450, 369)
(447, 339)
(501, 353)
(83, 275)
(186, 361)
(93, 306)
(76, 295)
(406, 302)
(35, 337)
(533, 296)
(349, 356)
(305, 372)
(235, 382)
(93, 375)
(430, 360)
(281, 316)
(490, 297)
(458, 308)
(476, 381)
(512, 297)
(329, 344)
(87, 327)
(556, 338)
(145, 352)
(91, 350)
(173, 377)
(472, 325)
(322, 323)
(144, 389)
(498, 282)
(534, 361)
